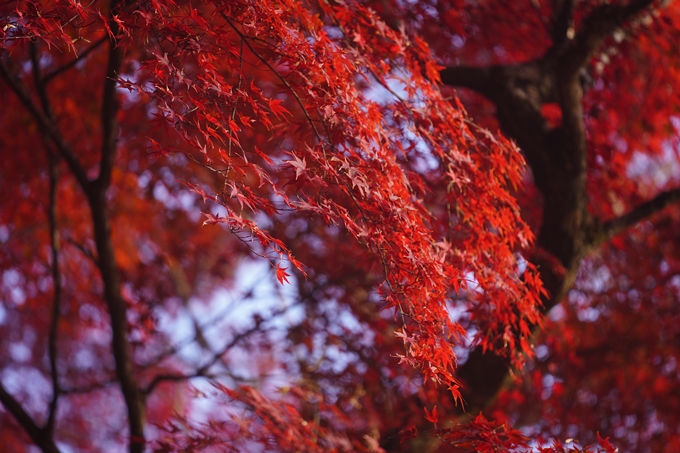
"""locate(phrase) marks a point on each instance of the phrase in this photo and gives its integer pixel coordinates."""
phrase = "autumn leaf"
(432, 417)
(300, 165)
(276, 107)
(493, 178)
(281, 274)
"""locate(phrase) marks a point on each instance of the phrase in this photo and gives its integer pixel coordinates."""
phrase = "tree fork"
(557, 158)
(96, 195)
(41, 438)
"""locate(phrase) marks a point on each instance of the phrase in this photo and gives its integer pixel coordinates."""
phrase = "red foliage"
(159, 154)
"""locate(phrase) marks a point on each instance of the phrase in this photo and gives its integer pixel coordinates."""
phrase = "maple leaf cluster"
(347, 171)
(274, 225)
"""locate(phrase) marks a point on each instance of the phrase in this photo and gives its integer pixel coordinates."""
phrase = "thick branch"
(96, 194)
(106, 259)
(518, 91)
(485, 373)
(563, 20)
(558, 159)
(567, 226)
(42, 439)
(645, 210)
(477, 79)
(596, 27)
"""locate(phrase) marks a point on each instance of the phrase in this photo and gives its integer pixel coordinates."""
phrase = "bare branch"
(645, 210)
(92, 387)
(39, 85)
(216, 356)
(54, 243)
(194, 338)
(84, 250)
(48, 78)
(172, 378)
(203, 370)
(46, 125)
(109, 112)
(56, 279)
(237, 338)
(96, 193)
(42, 439)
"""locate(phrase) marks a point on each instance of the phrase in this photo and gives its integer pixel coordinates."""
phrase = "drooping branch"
(518, 91)
(639, 213)
(37, 435)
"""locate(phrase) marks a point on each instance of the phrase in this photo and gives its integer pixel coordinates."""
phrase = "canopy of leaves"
(274, 225)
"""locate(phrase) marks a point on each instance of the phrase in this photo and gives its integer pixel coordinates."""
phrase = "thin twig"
(84, 250)
(54, 243)
(202, 371)
(49, 77)
(56, 279)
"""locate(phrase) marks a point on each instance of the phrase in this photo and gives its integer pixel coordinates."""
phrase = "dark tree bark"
(96, 192)
(557, 158)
